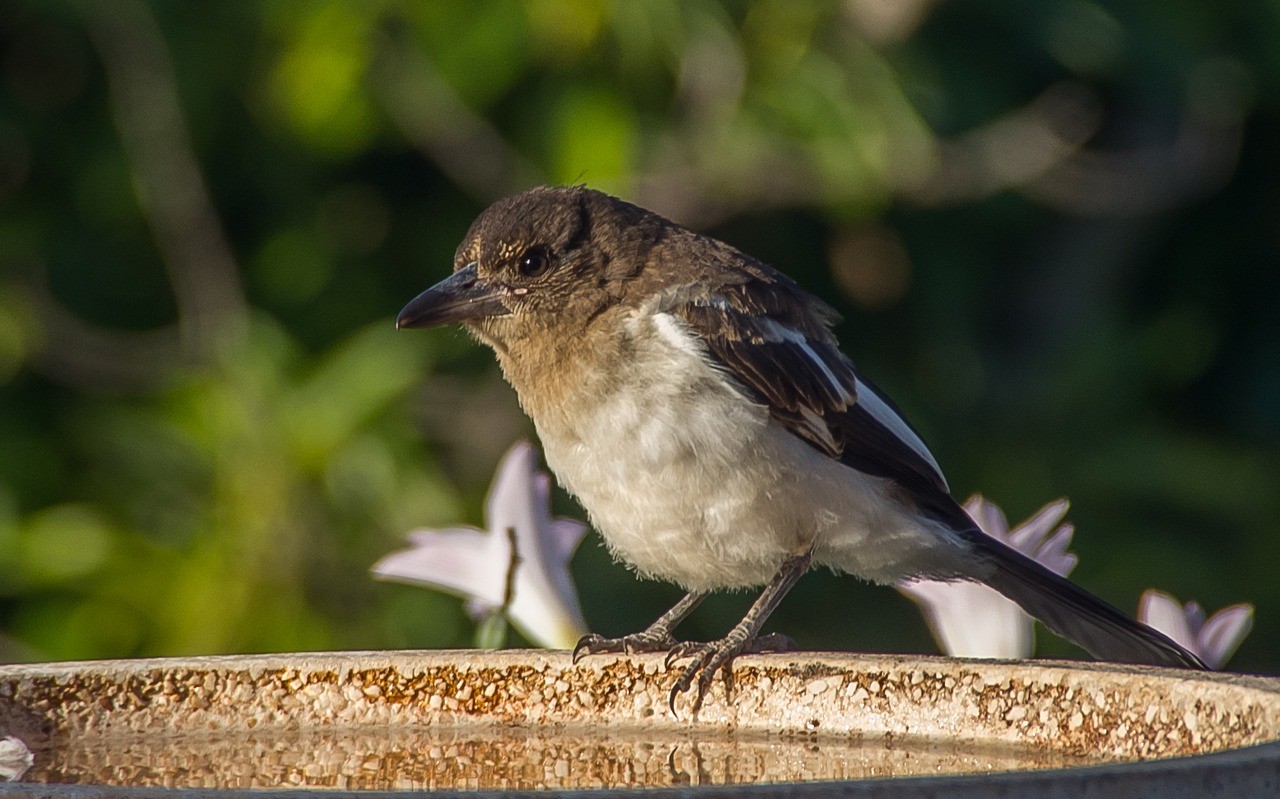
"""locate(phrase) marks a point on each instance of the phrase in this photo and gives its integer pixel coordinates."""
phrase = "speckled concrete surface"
(531, 719)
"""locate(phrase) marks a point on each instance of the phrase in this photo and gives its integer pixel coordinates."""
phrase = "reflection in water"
(503, 758)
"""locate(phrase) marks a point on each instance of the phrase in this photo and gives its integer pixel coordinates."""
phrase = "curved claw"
(707, 658)
(647, 641)
(713, 656)
(683, 649)
(744, 637)
(586, 646)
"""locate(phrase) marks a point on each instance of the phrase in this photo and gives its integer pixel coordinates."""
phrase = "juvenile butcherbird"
(694, 400)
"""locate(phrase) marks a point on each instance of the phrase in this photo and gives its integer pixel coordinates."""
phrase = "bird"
(695, 402)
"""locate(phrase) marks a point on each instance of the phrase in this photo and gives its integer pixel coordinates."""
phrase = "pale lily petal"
(1195, 616)
(478, 609)
(461, 560)
(969, 619)
(1053, 554)
(1223, 633)
(567, 533)
(511, 501)
(988, 516)
(1213, 640)
(1027, 536)
(1163, 612)
(542, 603)
(544, 606)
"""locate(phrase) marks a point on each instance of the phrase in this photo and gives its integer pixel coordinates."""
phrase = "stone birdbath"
(796, 724)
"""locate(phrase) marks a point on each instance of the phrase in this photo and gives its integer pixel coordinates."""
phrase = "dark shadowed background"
(1053, 229)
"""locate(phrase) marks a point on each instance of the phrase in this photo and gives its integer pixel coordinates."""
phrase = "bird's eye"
(534, 262)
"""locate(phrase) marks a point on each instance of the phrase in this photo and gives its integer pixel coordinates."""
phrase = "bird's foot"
(648, 641)
(657, 638)
(713, 656)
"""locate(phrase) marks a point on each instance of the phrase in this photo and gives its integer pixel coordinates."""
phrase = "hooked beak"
(461, 297)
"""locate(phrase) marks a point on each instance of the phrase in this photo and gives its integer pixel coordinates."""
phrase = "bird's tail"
(1101, 629)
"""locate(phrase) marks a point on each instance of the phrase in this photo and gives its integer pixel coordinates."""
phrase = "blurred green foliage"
(1054, 230)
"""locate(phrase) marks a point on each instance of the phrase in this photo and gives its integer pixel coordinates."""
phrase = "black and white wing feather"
(773, 339)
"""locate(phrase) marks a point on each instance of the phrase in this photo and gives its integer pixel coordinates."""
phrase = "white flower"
(15, 758)
(530, 583)
(1213, 640)
(969, 619)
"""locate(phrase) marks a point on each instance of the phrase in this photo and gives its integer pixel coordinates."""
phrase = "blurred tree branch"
(92, 358)
(175, 201)
(1201, 158)
(1009, 152)
(429, 114)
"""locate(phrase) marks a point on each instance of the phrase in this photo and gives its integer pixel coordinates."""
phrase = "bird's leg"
(657, 638)
(708, 658)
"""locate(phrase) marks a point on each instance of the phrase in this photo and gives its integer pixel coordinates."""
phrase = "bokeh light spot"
(64, 542)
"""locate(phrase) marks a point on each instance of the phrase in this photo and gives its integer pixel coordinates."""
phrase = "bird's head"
(544, 261)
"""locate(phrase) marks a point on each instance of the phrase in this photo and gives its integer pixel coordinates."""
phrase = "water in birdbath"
(471, 757)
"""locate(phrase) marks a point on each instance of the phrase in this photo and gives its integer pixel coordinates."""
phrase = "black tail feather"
(1101, 629)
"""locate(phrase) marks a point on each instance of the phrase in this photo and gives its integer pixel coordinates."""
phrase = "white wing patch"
(865, 396)
(675, 333)
(850, 391)
(880, 410)
(780, 332)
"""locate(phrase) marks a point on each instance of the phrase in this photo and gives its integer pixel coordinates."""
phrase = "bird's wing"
(772, 338)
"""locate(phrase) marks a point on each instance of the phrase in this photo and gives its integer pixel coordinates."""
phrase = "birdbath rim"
(1044, 723)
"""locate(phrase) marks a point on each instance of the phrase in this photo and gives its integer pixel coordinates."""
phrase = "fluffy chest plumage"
(690, 481)
(666, 457)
